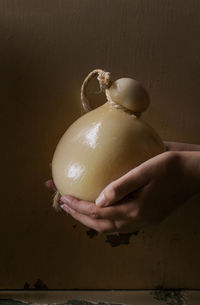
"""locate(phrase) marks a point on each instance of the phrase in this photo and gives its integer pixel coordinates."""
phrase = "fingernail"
(101, 200)
(47, 183)
(65, 199)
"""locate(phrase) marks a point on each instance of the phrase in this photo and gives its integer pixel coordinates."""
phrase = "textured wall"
(46, 49)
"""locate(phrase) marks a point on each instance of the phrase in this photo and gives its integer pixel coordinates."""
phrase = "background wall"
(46, 49)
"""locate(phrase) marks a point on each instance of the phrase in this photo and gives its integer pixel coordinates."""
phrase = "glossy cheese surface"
(100, 147)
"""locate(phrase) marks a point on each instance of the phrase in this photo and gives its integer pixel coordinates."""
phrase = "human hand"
(145, 195)
(170, 146)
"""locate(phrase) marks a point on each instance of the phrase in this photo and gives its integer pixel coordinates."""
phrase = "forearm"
(190, 168)
(176, 146)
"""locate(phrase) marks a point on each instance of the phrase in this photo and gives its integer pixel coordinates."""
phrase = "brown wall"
(46, 49)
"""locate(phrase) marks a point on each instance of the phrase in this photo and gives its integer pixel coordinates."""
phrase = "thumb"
(118, 189)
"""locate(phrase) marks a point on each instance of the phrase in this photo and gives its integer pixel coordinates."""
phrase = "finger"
(90, 209)
(118, 189)
(101, 226)
(181, 146)
(50, 185)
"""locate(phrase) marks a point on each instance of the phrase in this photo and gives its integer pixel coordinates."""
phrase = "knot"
(104, 79)
(121, 107)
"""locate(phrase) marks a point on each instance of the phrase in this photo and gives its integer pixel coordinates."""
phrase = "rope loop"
(104, 79)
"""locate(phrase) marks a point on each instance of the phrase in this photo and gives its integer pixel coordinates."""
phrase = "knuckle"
(107, 229)
(100, 230)
(117, 225)
(94, 215)
(73, 201)
(135, 213)
(138, 217)
(93, 212)
(112, 191)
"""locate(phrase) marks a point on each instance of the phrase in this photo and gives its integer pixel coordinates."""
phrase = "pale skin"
(144, 196)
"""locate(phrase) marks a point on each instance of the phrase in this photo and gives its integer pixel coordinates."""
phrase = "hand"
(146, 195)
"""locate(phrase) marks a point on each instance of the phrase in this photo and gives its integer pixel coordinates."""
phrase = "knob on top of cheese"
(130, 94)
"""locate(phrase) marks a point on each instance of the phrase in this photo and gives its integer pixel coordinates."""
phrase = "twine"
(104, 79)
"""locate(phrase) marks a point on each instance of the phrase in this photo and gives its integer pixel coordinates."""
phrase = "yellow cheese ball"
(103, 145)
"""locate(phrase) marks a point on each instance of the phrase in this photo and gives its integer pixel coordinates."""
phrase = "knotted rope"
(104, 79)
